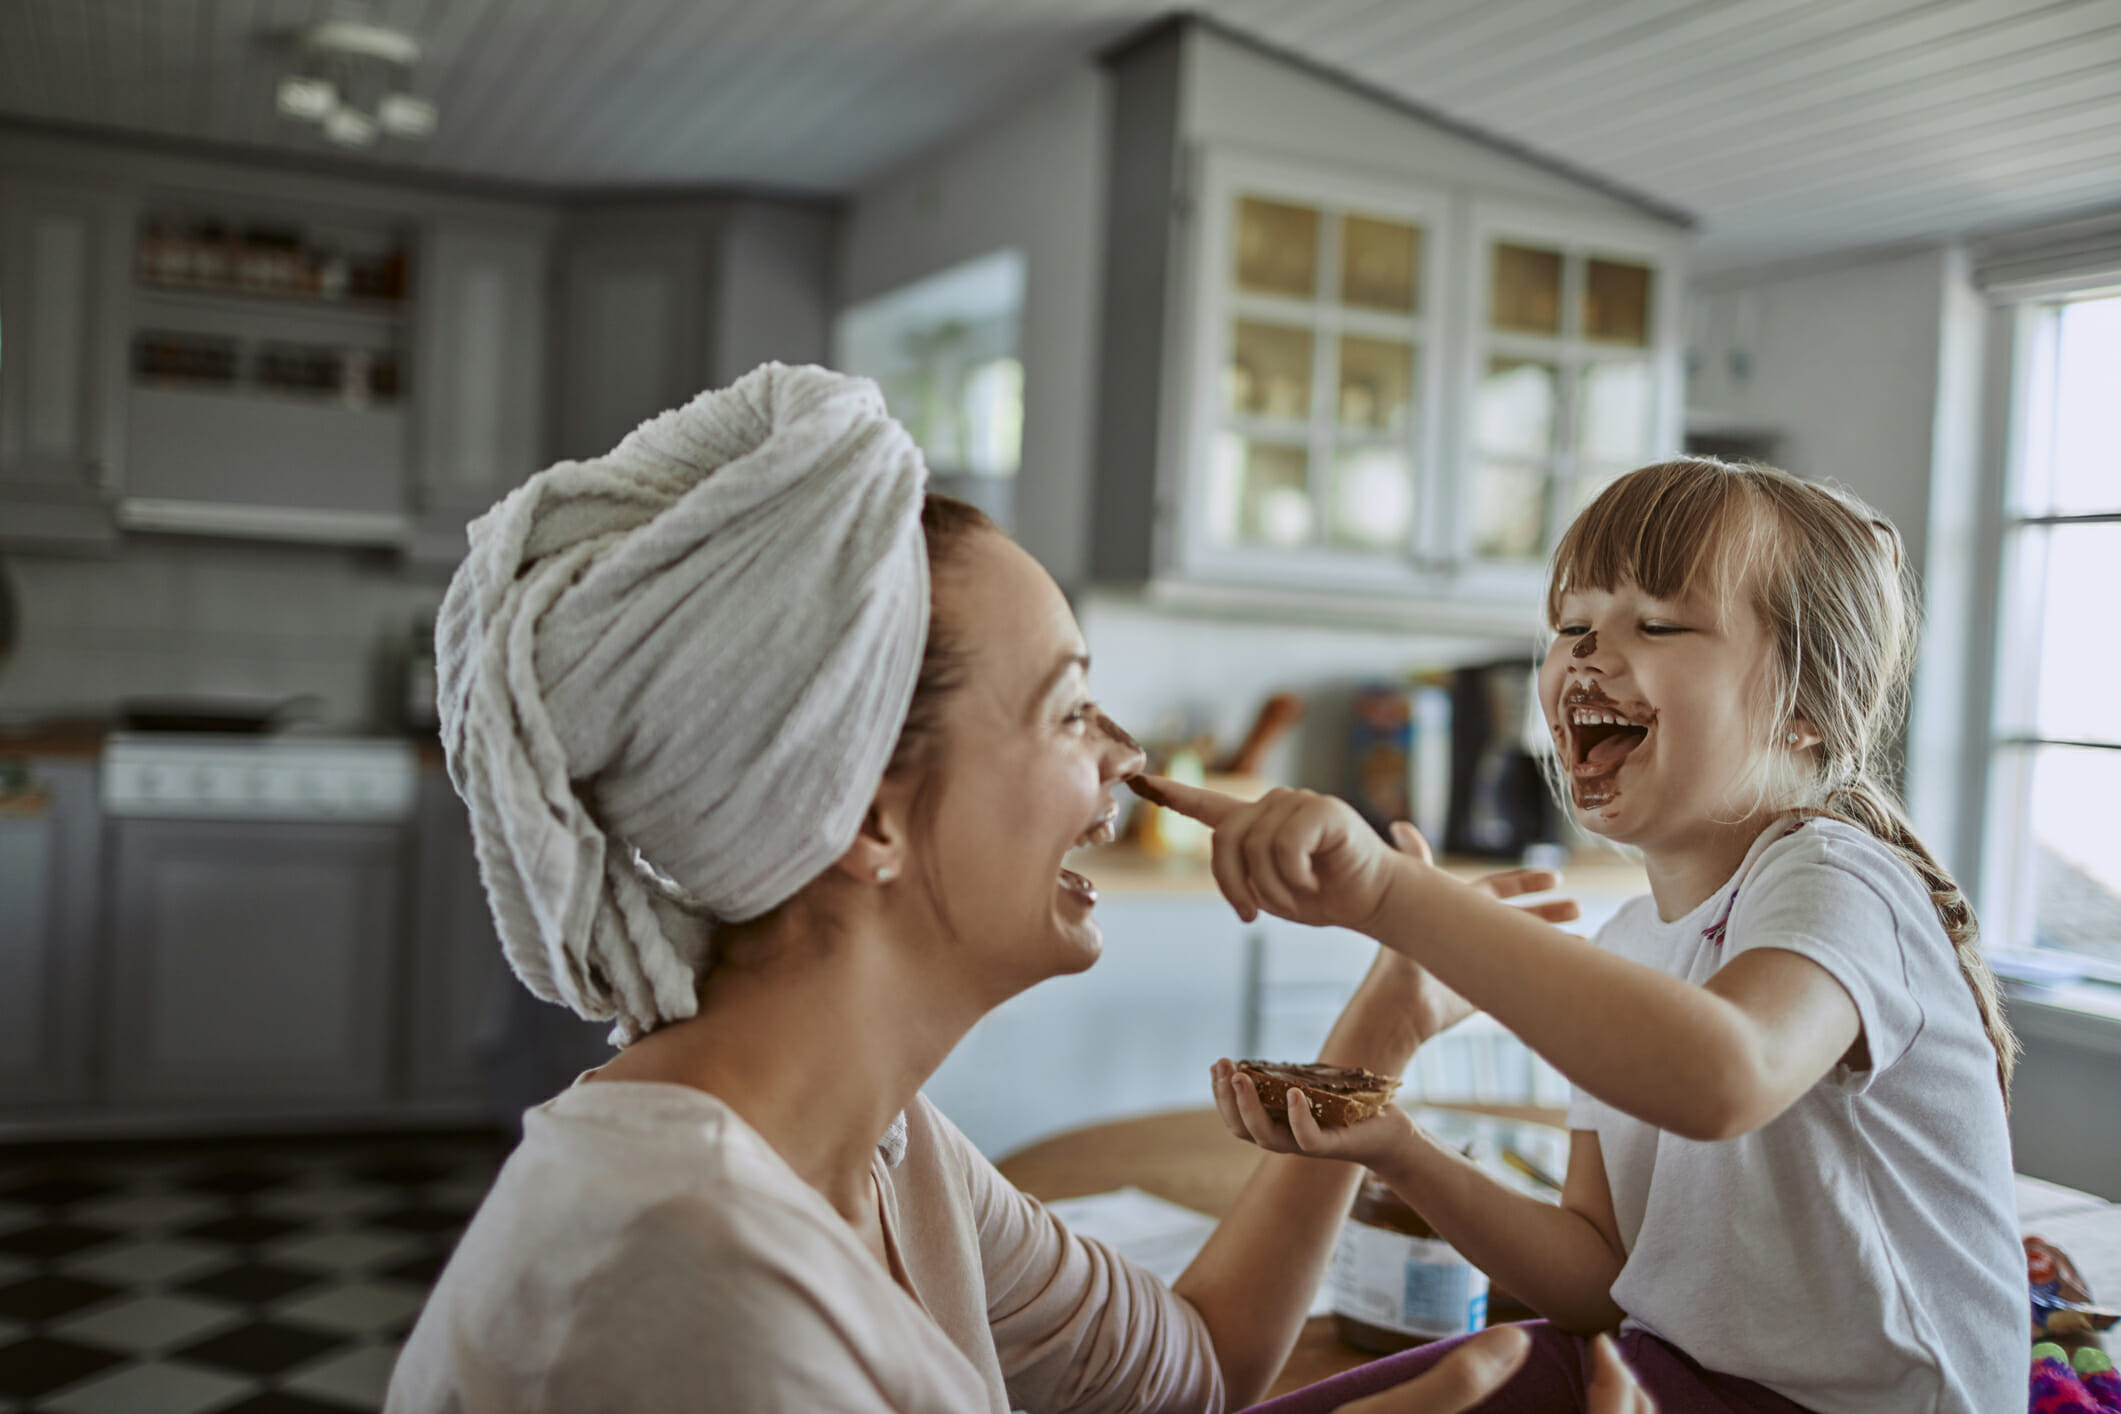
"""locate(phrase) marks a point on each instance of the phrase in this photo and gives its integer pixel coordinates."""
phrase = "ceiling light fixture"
(350, 78)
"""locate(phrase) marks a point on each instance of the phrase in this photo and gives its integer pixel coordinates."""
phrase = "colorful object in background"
(2058, 1388)
(1399, 757)
(2097, 1371)
(2062, 1305)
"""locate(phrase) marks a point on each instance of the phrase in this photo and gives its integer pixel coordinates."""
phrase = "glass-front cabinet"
(1410, 391)
(1314, 429)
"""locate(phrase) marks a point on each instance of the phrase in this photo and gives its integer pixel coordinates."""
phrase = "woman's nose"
(1126, 757)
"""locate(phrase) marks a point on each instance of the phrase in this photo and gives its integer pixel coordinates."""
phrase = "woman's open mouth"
(1103, 830)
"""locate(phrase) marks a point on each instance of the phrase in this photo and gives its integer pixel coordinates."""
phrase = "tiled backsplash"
(168, 616)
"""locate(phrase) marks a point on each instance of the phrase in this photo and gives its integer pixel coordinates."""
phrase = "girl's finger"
(1304, 1127)
(1210, 807)
(1266, 858)
(1509, 883)
(1407, 840)
(1292, 851)
(1226, 861)
(1259, 1125)
(1556, 910)
(1219, 1081)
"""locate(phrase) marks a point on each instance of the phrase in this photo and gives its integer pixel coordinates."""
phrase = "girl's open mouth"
(1601, 735)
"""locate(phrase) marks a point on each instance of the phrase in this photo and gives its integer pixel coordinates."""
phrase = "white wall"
(1844, 365)
(1032, 178)
(1149, 667)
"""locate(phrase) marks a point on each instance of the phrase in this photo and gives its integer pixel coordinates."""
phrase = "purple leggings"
(1553, 1379)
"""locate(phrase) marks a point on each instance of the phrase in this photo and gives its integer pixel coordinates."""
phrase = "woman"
(774, 764)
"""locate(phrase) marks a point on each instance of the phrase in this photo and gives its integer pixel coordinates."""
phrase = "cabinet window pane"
(2069, 854)
(1373, 498)
(1259, 492)
(1509, 510)
(1270, 372)
(2073, 572)
(1616, 303)
(1515, 412)
(1613, 418)
(1277, 248)
(1376, 384)
(1380, 264)
(2070, 460)
(1526, 297)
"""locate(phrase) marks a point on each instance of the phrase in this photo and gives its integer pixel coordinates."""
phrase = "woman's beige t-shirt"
(645, 1250)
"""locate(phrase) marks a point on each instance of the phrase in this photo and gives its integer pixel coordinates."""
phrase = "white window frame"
(1997, 793)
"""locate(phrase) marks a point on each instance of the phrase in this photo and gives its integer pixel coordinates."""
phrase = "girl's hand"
(1372, 1143)
(1433, 1006)
(1293, 853)
(1467, 1376)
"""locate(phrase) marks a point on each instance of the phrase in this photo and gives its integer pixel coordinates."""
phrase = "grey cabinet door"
(461, 989)
(252, 963)
(49, 886)
(477, 375)
(65, 287)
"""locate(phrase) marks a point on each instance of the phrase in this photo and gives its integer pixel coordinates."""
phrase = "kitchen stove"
(174, 777)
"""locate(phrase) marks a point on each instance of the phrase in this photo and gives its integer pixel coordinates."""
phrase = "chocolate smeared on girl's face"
(1651, 704)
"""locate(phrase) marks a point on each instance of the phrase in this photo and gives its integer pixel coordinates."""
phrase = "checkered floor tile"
(266, 1278)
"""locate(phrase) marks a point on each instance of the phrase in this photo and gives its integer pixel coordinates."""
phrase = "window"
(2053, 858)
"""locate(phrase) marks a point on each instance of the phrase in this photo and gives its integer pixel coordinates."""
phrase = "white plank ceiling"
(1788, 127)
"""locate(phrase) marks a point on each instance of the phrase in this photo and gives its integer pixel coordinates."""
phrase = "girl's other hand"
(1466, 1377)
(1293, 853)
(1373, 1142)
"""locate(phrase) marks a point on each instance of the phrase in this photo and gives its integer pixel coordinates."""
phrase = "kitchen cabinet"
(460, 984)
(265, 395)
(50, 877)
(1356, 363)
(1133, 1035)
(252, 964)
(480, 368)
(64, 316)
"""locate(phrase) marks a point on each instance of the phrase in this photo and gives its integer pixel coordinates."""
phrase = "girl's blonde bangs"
(1658, 527)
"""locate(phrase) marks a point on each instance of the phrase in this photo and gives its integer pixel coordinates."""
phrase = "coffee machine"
(1500, 802)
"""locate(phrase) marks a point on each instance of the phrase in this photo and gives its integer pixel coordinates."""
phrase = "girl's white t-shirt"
(1860, 1252)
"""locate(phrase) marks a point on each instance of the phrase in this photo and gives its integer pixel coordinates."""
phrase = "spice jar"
(1395, 1283)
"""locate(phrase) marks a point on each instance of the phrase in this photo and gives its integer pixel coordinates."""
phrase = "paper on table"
(1155, 1234)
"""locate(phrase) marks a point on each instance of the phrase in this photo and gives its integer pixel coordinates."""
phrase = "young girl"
(1790, 1180)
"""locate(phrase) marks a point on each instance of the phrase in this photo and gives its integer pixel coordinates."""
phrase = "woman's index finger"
(1210, 807)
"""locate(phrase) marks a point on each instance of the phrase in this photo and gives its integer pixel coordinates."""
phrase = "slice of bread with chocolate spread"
(1338, 1095)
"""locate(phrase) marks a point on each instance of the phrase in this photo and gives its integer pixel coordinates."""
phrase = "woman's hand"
(1373, 1142)
(1485, 1363)
(1465, 1378)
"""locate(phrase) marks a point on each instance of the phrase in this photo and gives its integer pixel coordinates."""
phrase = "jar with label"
(1395, 1283)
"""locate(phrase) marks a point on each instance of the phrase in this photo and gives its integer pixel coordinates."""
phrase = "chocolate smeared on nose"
(1586, 645)
(1114, 730)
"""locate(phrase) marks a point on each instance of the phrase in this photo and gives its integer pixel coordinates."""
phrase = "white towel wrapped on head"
(700, 647)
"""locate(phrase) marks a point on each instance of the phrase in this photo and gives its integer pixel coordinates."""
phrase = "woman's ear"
(1801, 735)
(878, 854)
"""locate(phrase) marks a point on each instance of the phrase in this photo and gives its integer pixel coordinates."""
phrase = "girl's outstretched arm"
(1560, 1261)
(1704, 1062)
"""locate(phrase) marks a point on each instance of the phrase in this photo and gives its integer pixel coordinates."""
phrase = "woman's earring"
(1791, 738)
(885, 873)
